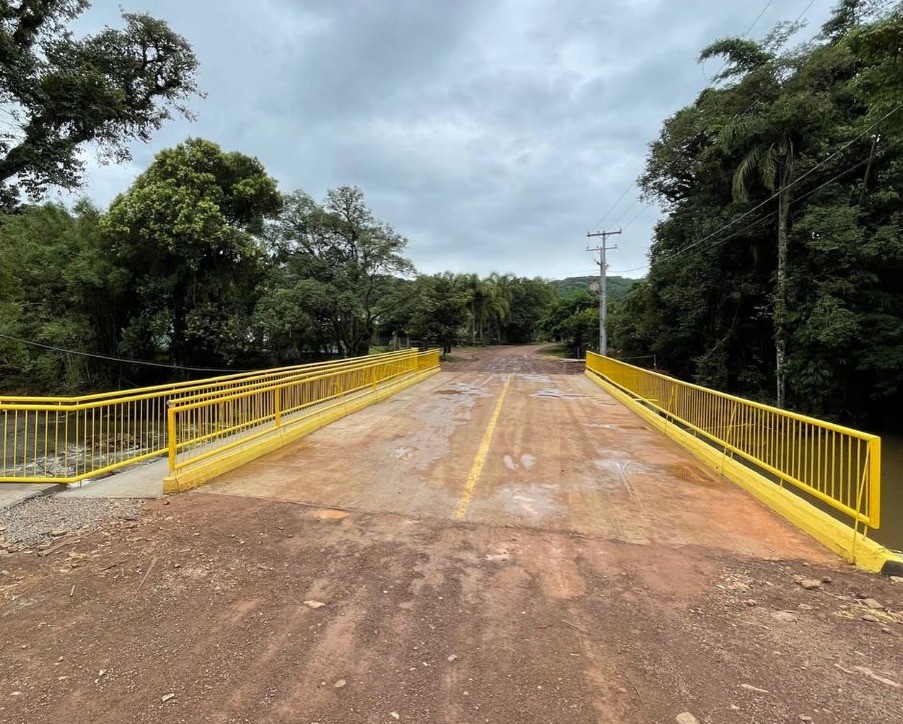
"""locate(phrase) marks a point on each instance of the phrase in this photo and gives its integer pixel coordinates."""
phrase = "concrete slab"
(143, 481)
(506, 445)
(14, 493)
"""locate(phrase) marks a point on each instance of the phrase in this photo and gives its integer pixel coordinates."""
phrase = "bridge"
(507, 538)
(511, 440)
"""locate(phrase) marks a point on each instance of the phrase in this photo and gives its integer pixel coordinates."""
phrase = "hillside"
(617, 287)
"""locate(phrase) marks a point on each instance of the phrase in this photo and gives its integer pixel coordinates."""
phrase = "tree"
(350, 253)
(781, 183)
(185, 233)
(61, 91)
(438, 310)
(529, 299)
(573, 321)
(53, 270)
(783, 124)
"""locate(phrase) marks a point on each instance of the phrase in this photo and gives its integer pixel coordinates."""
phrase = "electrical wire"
(636, 216)
(116, 359)
(614, 206)
(789, 186)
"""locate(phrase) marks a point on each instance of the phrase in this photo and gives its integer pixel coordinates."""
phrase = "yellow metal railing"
(69, 439)
(836, 465)
(207, 424)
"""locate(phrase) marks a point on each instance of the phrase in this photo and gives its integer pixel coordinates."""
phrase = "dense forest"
(616, 287)
(203, 266)
(777, 272)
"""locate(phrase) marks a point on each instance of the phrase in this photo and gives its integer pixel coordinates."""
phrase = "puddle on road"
(462, 388)
(535, 378)
(609, 426)
(558, 395)
(690, 474)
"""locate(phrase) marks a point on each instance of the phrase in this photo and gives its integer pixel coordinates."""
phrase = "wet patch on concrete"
(535, 378)
(526, 462)
(462, 388)
(610, 426)
(558, 395)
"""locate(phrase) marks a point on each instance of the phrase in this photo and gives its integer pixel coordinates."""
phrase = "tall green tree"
(783, 126)
(61, 91)
(54, 267)
(187, 233)
(349, 253)
(783, 227)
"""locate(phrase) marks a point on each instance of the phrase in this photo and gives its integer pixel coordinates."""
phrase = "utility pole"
(603, 311)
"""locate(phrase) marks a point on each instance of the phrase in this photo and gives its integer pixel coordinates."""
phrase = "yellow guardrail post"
(763, 448)
(277, 406)
(874, 513)
(171, 436)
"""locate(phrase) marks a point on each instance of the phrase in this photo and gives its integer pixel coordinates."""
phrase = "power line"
(614, 206)
(116, 359)
(786, 188)
(627, 210)
(805, 10)
(636, 216)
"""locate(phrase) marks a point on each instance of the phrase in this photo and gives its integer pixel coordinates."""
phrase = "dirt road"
(502, 543)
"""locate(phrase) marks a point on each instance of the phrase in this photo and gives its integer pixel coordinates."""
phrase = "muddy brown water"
(891, 532)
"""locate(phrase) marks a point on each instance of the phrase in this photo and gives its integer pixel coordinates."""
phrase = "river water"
(891, 532)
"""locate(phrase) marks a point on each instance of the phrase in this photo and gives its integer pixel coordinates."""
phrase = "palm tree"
(769, 138)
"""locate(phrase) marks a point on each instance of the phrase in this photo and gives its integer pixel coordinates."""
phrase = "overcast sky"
(492, 134)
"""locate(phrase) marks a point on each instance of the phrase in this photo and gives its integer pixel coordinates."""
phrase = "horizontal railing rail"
(836, 465)
(206, 425)
(70, 439)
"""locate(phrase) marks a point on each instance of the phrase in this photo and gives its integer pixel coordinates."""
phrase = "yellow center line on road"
(482, 453)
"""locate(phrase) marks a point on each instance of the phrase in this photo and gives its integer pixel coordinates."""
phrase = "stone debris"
(786, 616)
(750, 687)
(314, 604)
(686, 718)
(340, 684)
(810, 584)
(44, 519)
(167, 697)
(872, 604)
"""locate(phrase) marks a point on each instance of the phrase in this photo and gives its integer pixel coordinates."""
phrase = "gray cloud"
(492, 134)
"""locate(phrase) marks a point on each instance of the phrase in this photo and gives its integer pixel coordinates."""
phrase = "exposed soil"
(206, 609)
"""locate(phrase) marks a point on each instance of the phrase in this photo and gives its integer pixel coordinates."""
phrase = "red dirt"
(534, 617)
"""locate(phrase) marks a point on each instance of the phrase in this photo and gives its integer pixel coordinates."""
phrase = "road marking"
(482, 453)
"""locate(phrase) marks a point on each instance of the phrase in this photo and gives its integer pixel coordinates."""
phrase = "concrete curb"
(45, 489)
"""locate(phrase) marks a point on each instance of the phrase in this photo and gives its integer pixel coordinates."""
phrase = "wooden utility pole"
(603, 311)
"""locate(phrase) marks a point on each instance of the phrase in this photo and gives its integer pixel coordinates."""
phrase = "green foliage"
(110, 88)
(183, 235)
(616, 287)
(53, 271)
(802, 144)
(573, 321)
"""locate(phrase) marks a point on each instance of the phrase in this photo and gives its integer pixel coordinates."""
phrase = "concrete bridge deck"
(501, 544)
(510, 438)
